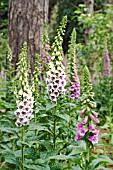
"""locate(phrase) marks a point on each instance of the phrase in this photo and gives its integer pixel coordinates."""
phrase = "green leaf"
(10, 158)
(63, 116)
(8, 130)
(76, 150)
(17, 153)
(46, 155)
(77, 12)
(61, 157)
(60, 166)
(5, 147)
(11, 161)
(37, 167)
(37, 127)
(76, 168)
(68, 104)
(96, 162)
(39, 164)
(25, 143)
(50, 106)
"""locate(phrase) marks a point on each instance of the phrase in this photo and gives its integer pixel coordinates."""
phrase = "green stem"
(22, 149)
(87, 148)
(35, 119)
(35, 115)
(54, 128)
(54, 133)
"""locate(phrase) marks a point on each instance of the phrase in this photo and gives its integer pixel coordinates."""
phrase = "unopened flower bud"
(20, 92)
(88, 109)
(92, 117)
(84, 102)
(85, 120)
(88, 100)
(95, 114)
(81, 113)
(96, 120)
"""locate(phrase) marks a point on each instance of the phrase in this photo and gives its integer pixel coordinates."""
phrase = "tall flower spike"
(57, 45)
(56, 77)
(35, 80)
(24, 112)
(86, 127)
(46, 49)
(22, 68)
(75, 84)
(106, 69)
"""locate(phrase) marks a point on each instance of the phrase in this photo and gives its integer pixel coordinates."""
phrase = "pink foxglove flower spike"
(106, 69)
(75, 84)
(86, 127)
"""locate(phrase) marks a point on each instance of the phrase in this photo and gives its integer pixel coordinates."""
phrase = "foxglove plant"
(24, 112)
(106, 84)
(86, 128)
(56, 77)
(75, 84)
(106, 69)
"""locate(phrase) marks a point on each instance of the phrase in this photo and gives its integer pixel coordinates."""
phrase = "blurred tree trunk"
(90, 10)
(109, 1)
(26, 18)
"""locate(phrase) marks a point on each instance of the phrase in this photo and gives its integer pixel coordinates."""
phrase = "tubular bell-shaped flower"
(88, 116)
(25, 101)
(75, 84)
(56, 77)
(106, 69)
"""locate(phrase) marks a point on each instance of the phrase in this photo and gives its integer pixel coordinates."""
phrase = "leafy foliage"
(47, 143)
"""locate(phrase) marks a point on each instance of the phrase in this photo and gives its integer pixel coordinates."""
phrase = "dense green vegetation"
(62, 118)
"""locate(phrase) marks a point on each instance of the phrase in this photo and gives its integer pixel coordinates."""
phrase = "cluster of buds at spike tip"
(35, 79)
(46, 50)
(56, 77)
(22, 70)
(106, 69)
(24, 112)
(86, 128)
(75, 84)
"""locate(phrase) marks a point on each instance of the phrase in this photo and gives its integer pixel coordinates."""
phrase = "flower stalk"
(54, 132)
(22, 149)
(106, 69)
(86, 129)
(25, 100)
(56, 77)
(72, 67)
